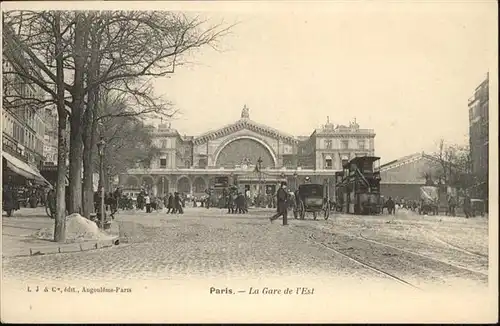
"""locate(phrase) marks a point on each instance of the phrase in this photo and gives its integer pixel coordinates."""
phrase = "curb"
(66, 248)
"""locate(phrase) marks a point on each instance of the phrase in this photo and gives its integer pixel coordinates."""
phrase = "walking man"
(208, 197)
(178, 204)
(147, 201)
(230, 203)
(281, 197)
(467, 206)
(170, 203)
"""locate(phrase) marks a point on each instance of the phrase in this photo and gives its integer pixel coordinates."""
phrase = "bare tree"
(127, 49)
(22, 50)
(454, 165)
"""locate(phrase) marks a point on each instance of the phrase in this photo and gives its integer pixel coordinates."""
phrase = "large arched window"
(244, 151)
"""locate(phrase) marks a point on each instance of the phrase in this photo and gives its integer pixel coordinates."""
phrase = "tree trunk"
(77, 109)
(90, 125)
(88, 171)
(75, 168)
(60, 219)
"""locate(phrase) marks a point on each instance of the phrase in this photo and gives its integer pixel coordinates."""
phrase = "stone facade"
(23, 126)
(479, 137)
(190, 163)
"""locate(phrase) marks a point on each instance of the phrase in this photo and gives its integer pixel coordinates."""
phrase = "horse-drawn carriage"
(312, 198)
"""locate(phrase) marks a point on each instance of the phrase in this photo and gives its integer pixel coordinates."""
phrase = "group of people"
(237, 202)
(174, 203)
(111, 200)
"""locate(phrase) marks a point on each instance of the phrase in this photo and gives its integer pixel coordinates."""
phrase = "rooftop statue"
(328, 125)
(245, 112)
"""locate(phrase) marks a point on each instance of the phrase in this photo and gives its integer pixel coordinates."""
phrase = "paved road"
(212, 243)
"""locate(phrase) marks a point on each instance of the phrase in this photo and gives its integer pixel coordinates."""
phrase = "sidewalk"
(17, 239)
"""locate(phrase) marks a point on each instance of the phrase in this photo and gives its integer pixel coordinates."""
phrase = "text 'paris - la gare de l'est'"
(265, 291)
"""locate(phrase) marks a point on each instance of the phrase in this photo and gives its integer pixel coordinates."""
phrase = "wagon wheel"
(302, 210)
(326, 210)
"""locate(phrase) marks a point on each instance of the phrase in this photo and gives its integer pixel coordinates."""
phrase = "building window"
(328, 162)
(344, 144)
(328, 144)
(361, 144)
(163, 163)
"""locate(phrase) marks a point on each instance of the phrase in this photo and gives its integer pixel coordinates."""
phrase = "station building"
(257, 156)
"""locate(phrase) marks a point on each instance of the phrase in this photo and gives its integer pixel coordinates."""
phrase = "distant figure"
(452, 203)
(207, 199)
(170, 204)
(281, 197)
(230, 203)
(51, 201)
(240, 204)
(147, 201)
(9, 200)
(467, 206)
(391, 206)
(178, 204)
(140, 201)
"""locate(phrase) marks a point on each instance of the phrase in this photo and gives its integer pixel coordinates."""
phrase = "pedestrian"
(240, 202)
(230, 203)
(147, 201)
(281, 197)
(207, 198)
(51, 201)
(391, 206)
(178, 204)
(170, 203)
(451, 205)
(9, 200)
(140, 201)
(467, 206)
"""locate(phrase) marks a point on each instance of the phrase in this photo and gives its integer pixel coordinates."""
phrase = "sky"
(406, 71)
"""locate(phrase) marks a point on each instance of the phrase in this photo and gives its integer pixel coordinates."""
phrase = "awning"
(328, 157)
(24, 169)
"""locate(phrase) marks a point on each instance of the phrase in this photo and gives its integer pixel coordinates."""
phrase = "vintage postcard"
(249, 161)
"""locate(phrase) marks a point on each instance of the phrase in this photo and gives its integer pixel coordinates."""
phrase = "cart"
(477, 207)
(429, 200)
(311, 198)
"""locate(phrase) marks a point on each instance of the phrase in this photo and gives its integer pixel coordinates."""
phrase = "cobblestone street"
(212, 243)
(200, 242)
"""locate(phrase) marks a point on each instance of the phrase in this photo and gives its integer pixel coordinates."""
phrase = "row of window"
(163, 163)
(344, 144)
(21, 134)
(329, 160)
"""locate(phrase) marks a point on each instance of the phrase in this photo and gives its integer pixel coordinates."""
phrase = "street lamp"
(100, 150)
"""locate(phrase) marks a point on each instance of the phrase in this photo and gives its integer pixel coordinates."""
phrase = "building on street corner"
(23, 129)
(256, 155)
(479, 137)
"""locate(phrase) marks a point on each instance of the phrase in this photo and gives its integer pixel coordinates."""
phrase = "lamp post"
(259, 167)
(100, 149)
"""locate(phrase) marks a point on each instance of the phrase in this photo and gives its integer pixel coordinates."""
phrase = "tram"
(358, 187)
